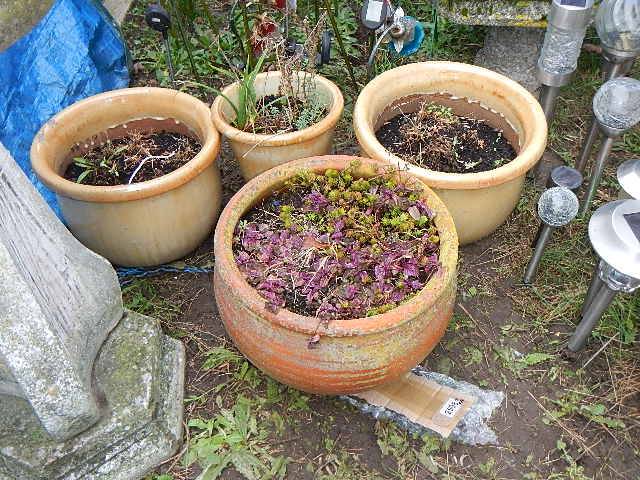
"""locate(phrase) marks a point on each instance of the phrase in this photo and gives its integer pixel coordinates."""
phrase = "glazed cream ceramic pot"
(257, 153)
(141, 224)
(478, 202)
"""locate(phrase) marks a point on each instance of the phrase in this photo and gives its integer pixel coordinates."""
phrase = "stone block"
(139, 377)
(502, 13)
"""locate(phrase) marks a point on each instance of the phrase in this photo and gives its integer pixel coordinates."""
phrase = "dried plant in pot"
(486, 187)
(362, 306)
(151, 156)
(281, 115)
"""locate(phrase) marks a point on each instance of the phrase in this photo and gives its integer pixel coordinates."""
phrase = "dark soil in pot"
(433, 136)
(337, 247)
(277, 114)
(135, 157)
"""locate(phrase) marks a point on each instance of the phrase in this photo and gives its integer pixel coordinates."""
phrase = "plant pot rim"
(277, 140)
(530, 151)
(261, 186)
(41, 149)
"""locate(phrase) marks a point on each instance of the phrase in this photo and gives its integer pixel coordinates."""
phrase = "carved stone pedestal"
(139, 384)
(87, 390)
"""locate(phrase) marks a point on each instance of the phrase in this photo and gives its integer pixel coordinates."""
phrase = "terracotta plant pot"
(478, 202)
(141, 224)
(353, 355)
(258, 153)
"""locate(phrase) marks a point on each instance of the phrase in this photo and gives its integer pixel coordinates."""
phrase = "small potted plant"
(134, 173)
(335, 274)
(277, 116)
(469, 133)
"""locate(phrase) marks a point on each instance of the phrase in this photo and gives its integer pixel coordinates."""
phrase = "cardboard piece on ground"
(422, 401)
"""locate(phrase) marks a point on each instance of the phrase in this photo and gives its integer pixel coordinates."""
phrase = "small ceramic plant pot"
(478, 202)
(258, 153)
(145, 223)
(352, 355)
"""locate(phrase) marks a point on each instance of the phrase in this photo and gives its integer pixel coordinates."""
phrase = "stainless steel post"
(545, 234)
(594, 287)
(601, 160)
(548, 98)
(591, 317)
(610, 70)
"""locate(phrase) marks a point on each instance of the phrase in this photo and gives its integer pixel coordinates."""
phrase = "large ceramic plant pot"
(258, 153)
(141, 224)
(478, 202)
(352, 355)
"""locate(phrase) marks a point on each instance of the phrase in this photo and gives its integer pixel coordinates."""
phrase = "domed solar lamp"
(618, 26)
(616, 108)
(614, 232)
(556, 208)
(629, 179)
(564, 176)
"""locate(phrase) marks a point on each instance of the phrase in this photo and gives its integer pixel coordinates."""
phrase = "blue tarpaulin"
(75, 51)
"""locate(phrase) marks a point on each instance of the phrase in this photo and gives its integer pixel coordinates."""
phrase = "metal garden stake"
(557, 207)
(160, 20)
(614, 231)
(618, 26)
(616, 109)
(567, 25)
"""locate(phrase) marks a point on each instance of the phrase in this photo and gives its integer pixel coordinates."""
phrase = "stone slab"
(118, 8)
(18, 17)
(513, 52)
(503, 13)
(140, 379)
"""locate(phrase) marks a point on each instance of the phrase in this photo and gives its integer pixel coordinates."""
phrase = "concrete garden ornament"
(87, 389)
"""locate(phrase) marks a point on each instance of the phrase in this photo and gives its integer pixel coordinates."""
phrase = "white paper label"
(374, 12)
(451, 407)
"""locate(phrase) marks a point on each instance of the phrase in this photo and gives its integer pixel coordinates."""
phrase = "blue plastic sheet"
(75, 51)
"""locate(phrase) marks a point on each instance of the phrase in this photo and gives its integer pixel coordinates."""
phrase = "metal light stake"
(567, 25)
(618, 26)
(556, 208)
(616, 109)
(614, 231)
(159, 19)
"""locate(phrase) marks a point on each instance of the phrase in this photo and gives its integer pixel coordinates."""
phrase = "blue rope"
(139, 272)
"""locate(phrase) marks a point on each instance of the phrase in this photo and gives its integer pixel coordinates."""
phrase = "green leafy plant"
(233, 438)
(108, 164)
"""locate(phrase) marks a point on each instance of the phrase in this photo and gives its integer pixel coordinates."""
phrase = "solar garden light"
(159, 19)
(557, 206)
(567, 24)
(618, 26)
(614, 232)
(616, 109)
(629, 179)
(564, 176)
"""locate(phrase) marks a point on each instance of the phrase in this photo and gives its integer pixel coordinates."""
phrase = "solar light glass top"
(618, 26)
(616, 104)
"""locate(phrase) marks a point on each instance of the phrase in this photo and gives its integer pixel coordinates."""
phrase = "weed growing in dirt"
(235, 437)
